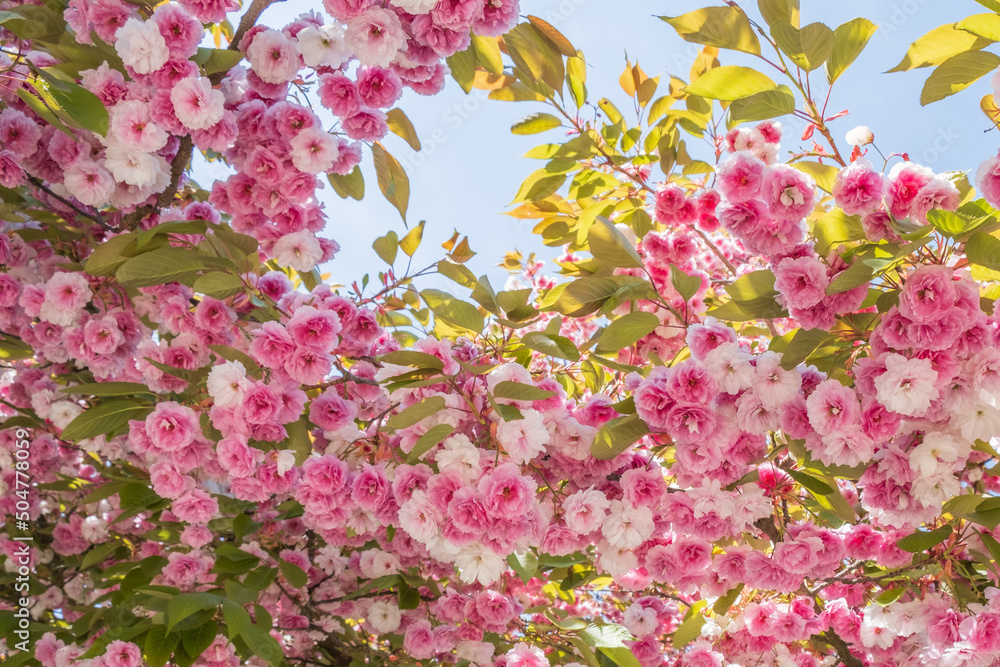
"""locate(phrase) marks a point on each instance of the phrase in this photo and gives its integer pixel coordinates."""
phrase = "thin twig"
(96, 217)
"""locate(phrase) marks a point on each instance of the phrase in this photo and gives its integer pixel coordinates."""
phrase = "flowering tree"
(752, 423)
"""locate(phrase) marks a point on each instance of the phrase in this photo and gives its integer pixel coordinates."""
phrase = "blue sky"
(471, 166)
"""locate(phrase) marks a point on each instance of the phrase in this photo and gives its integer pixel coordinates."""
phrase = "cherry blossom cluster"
(355, 62)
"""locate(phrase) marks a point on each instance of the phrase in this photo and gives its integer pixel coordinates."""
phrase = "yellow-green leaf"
(764, 105)
(808, 47)
(777, 11)
(626, 331)
(348, 185)
(534, 123)
(402, 127)
(386, 247)
(610, 247)
(535, 54)
(725, 27)
(937, 46)
(412, 240)
(616, 436)
(730, 82)
(986, 26)
(956, 74)
(392, 179)
(454, 311)
(488, 53)
(849, 40)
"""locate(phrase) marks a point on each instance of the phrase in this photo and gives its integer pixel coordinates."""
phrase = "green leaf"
(392, 179)
(803, 343)
(518, 391)
(535, 54)
(991, 544)
(610, 247)
(236, 618)
(754, 293)
(949, 223)
(923, 540)
(812, 483)
(458, 273)
(454, 311)
(196, 641)
(763, 106)
(424, 443)
(920, 541)
(723, 604)
(162, 265)
(808, 47)
(939, 45)
(687, 286)
(413, 359)
(730, 82)
(108, 389)
(984, 250)
(213, 61)
(855, 275)
(386, 247)
(107, 257)
(582, 296)
(135, 495)
(626, 331)
(293, 574)
(98, 554)
(348, 185)
(888, 597)
(415, 413)
(823, 174)
(411, 241)
(74, 104)
(725, 27)
(690, 628)
(620, 655)
(263, 645)
(616, 436)
(184, 605)
(535, 123)
(849, 40)
(219, 285)
(525, 564)
(836, 227)
(160, 645)
(552, 345)
(104, 419)
(956, 74)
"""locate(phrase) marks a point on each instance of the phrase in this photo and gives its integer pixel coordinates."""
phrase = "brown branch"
(840, 646)
(96, 217)
(766, 526)
(177, 168)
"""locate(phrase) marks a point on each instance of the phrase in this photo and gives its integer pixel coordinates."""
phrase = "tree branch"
(842, 649)
(96, 217)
